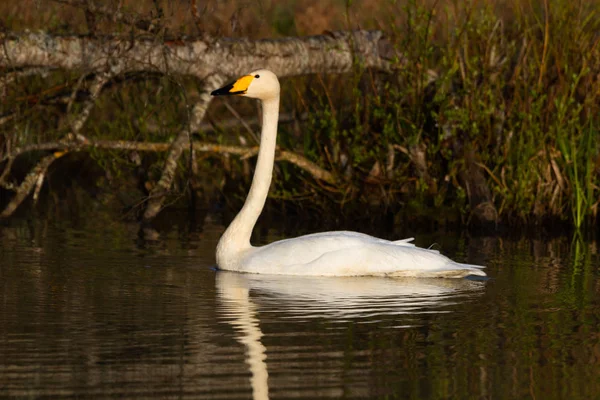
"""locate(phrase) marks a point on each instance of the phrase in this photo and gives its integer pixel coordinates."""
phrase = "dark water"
(95, 311)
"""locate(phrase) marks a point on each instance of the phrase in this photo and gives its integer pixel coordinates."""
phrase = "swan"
(339, 253)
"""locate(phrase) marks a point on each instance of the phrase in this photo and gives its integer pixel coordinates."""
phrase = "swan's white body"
(325, 254)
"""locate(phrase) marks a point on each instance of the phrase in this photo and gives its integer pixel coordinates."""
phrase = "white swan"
(340, 253)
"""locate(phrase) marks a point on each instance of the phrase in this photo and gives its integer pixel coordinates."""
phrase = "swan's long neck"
(236, 238)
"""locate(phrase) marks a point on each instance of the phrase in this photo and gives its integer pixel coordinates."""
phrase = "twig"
(196, 15)
(68, 97)
(157, 194)
(99, 81)
(7, 118)
(115, 15)
(75, 92)
(242, 121)
(491, 174)
(5, 173)
(36, 176)
(10, 77)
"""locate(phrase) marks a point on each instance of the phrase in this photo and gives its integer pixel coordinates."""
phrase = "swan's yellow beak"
(238, 87)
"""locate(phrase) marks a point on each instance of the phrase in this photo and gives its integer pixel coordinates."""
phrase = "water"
(89, 309)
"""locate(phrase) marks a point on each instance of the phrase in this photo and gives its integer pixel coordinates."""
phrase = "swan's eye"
(257, 76)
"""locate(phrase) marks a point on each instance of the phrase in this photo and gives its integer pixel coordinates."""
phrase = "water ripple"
(248, 301)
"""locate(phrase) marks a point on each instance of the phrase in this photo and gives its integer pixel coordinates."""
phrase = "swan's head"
(260, 84)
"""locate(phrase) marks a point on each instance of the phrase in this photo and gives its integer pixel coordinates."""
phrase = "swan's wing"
(307, 248)
(383, 259)
(351, 238)
(351, 254)
(388, 260)
(276, 256)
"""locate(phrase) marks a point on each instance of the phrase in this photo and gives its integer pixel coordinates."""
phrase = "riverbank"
(489, 118)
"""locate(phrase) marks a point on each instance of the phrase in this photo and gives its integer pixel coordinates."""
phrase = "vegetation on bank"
(494, 108)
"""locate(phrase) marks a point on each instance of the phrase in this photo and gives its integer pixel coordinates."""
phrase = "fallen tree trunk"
(205, 58)
(336, 52)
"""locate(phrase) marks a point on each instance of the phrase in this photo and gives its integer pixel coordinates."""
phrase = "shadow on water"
(94, 309)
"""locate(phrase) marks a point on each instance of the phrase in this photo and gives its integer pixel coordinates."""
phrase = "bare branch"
(158, 192)
(242, 151)
(208, 59)
(5, 173)
(305, 164)
(36, 176)
(91, 8)
(68, 98)
(6, 118)
(196, 15)
(28, 184)
(99, 82)
(227, 124)
(243, 122)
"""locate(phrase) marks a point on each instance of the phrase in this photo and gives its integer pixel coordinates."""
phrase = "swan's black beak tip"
(222, 91)
(226, 91)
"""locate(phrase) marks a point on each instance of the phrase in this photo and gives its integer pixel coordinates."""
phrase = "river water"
(92, 309)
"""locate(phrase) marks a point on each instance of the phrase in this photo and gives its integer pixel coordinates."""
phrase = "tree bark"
(336, 52)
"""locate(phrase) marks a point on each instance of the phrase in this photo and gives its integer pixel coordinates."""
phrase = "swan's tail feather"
(454, 270)
(460, 273)
(451, 274)
(471, 269)
(476, 271)
(404, 242)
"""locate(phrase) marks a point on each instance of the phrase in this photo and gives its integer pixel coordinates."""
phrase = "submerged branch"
(30, 181)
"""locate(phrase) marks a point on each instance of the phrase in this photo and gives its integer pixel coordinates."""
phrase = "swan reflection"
(335, 298)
